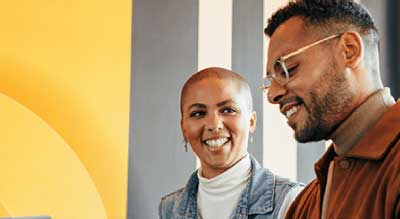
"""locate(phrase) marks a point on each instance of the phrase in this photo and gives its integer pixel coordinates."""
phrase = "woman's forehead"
(212, 86)
(214, 91)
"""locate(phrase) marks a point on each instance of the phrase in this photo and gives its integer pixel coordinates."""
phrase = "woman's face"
(216, 121)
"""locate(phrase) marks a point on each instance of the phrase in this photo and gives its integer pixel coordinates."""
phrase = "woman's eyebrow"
(197, 105)
(225, 102)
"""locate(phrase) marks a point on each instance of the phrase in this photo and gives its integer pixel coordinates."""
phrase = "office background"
(89, 98)
(173, 39)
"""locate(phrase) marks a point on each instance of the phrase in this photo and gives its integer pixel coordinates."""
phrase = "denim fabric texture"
(262, 198)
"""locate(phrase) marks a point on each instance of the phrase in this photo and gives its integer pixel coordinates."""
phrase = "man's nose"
(276, 92)
(214, 123)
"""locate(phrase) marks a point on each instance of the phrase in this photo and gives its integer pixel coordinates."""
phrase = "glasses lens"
(267, 82)
(280, 71)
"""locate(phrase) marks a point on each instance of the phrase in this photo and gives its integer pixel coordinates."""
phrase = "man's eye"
(278, 70)
(292, 70)
(197, 114)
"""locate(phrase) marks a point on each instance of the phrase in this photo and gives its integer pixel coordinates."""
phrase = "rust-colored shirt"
(365, 182)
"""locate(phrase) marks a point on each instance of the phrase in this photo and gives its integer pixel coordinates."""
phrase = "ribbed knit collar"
(228, 180)
(364, 117)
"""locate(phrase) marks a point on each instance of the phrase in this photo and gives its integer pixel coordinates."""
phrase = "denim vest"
(262, 198)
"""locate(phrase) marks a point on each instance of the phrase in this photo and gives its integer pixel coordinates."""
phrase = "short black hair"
(336, 15)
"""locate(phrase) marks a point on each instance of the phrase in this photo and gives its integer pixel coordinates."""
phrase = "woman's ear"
(352, 48)
(253, 121)
(183, 130)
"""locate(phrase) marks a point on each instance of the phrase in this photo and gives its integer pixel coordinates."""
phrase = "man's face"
(216, 121)
(317, 96)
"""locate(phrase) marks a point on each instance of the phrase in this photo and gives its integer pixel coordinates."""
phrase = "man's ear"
(352, 48)
(253, 121)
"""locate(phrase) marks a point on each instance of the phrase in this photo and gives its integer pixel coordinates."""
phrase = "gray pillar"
(164, 54)
(247, 58)
(387, 19)
(307, 155)
(393, 31)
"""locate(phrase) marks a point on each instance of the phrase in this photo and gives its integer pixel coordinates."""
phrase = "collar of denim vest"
(258, 198)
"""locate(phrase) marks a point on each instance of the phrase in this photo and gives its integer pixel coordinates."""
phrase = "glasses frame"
(281, 60)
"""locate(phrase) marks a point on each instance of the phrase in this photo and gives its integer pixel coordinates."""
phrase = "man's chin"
(300, 138)
(305, 135)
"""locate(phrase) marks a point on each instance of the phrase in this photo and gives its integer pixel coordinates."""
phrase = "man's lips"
(290, 106)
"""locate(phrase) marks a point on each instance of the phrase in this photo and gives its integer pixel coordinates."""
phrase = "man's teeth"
(291, 111)
(216, 142)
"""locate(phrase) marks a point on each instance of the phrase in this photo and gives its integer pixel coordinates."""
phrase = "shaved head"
(220, 74)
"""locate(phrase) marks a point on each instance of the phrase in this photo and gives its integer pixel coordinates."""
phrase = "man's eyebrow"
(225, 102)
(197, 105)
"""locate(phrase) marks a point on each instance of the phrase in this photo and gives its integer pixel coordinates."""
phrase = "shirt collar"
(360, 122)
(379, 139)
(373, 145)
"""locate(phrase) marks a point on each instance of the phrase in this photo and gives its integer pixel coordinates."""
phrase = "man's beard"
(325, 111)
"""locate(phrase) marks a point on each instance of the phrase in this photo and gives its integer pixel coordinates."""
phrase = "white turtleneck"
(218, 197)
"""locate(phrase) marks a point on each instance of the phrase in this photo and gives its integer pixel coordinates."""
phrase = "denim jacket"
(262, 198)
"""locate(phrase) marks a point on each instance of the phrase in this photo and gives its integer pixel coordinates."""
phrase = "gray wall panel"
(247, 58)
(387, 18)
(164, 54)
(393, 27)
(307, 155)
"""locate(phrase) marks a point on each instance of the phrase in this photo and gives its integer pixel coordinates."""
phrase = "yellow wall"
(3, 211)
(40, 173)
(68, 62)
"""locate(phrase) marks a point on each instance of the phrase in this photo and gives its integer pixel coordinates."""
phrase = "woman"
(217, 120)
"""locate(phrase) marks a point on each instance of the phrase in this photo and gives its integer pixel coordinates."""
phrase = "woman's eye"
(197, 114)
(228, 110)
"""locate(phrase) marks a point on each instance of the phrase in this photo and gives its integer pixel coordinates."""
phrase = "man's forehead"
(287, 37)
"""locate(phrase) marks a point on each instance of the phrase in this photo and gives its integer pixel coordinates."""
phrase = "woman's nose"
(214, 123)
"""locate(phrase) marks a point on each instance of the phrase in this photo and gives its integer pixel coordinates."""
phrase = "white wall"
(280, 151)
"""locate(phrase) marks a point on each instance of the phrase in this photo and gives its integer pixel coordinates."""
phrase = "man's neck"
(360, 120)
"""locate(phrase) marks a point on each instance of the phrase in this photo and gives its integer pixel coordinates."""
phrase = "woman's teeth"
(291, 111)
(216, 142)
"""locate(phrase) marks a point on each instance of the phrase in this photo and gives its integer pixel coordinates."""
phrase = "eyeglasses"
(281, 69)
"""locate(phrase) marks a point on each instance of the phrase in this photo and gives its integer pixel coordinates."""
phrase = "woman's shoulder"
(283, 181)
(173, 196)
(278, 185)
(262, 175)
(170, 202)
(268, 191)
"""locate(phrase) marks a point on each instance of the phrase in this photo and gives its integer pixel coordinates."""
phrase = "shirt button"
(344, 164)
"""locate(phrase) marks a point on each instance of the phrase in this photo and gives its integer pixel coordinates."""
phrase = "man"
(323, 71)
